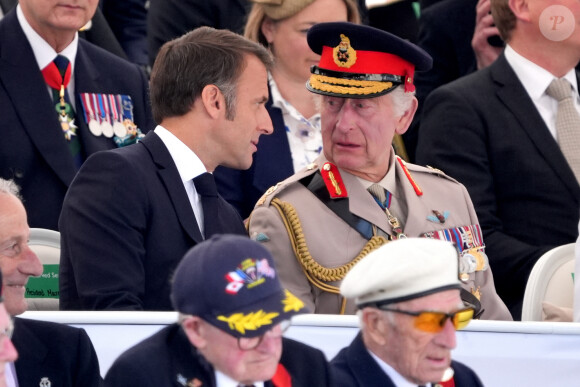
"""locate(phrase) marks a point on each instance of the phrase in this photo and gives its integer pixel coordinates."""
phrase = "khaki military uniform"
(331, 242)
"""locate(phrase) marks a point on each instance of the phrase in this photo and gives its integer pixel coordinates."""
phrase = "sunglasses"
(433, 322)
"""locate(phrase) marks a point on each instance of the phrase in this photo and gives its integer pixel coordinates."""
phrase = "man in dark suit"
(457, 49)
(132, 213)
(407, 293)
(233, 313)
(48, 353)
(495, 131)
(39, 150)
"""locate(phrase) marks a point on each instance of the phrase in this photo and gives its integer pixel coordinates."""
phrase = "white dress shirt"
(536, 80)
(189, 167)
(45, 54)
(222, 380)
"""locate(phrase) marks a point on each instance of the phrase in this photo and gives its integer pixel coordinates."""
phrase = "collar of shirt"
(389, 182)
(397, 379)
(44, 53)
(189, 166)
(304, 136)
(222, 380)
(536, 80)
(11, 379)
(187, 163)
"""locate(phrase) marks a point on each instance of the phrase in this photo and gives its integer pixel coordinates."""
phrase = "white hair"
(401, 100)
(9, 187)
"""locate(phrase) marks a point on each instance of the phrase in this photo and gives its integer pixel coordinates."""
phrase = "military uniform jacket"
(58, 354)
(332, 242)
(167, 359)
(354, 366)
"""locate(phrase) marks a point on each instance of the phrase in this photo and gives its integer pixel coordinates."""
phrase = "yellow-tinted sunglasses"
(433, 322)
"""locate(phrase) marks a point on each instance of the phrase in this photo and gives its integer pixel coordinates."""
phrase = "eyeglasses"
(433, 322)
(249, 343)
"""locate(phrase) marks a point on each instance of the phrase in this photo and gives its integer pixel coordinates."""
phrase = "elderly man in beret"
(358, 194)
(233, 313)
(407, 293)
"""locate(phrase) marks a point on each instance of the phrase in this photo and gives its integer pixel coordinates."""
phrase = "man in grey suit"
(322, 220)
(495, 131)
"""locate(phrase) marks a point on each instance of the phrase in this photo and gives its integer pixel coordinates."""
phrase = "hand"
(485, 53)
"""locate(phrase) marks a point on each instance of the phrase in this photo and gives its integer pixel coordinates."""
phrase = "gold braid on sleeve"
(317, 274)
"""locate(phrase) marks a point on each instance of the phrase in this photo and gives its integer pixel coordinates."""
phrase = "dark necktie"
(57, 75)
(206, 188)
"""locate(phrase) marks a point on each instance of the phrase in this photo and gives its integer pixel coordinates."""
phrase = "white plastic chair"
(550, 280)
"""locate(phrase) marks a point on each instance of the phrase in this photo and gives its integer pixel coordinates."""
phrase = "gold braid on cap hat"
(331, 85)
(317, 274)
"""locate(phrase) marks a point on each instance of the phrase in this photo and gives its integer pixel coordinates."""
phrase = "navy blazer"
(61, 353)
(168, 359)
(353, 366)
(485, 131)
(272, 163)
(125, 225)
(33, 150)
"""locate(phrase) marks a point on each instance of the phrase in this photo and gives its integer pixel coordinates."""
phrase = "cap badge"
(252, 272)
(344, 55)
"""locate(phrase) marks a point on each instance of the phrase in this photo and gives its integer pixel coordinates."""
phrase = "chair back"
(551, 280)
(42, 293)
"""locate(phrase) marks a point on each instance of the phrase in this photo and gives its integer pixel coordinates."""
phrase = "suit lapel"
(365, 368)
(32, 353)
(19, 69)
(513, 95)
(169, 175)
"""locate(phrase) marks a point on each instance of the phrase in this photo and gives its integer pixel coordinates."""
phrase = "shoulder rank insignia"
(333, 181)
(270, 191)
(437, 170)
(416, 187)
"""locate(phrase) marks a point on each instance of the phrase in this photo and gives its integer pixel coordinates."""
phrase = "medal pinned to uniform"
(133, 133)
(333, 181)
(104, 110)
(116, 114)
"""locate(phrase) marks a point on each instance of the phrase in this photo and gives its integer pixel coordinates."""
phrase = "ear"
(268, 28)
(213, 101)
(374, 325)
(407, 117)
(194, 328)
(520, 8)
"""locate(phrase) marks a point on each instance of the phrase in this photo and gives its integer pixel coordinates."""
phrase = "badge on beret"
(344, 54)
(251, 272)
